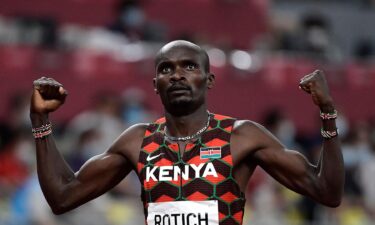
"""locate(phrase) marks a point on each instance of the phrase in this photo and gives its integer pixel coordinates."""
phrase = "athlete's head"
(184, 44)
(182, 76)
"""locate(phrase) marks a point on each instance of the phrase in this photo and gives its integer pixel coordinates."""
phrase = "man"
(193, 165)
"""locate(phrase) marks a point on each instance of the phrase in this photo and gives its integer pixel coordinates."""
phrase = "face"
(181, 79)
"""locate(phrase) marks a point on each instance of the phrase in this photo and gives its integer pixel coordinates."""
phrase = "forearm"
(331, 166)
(53, 172)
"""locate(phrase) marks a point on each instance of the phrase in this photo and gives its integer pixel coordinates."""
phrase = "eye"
(191, 66)
(165, 69)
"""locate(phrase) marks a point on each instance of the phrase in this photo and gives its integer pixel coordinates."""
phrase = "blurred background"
(102, 52)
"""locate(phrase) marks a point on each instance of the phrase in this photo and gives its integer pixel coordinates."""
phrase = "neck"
(181, 126)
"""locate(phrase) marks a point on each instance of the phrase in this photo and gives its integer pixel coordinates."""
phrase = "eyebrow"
(163, 62)
(189, 61)
(183, 61)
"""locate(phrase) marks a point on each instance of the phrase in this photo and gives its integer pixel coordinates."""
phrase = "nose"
(178, 74)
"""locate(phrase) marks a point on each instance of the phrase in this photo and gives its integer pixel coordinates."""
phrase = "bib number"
(183, 213)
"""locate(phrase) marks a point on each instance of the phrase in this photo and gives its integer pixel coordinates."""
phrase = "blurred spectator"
(13, 170)
(84, 148)
(132, 21)
(104, 120)
(5, 134)
(19, 111)
(356, 152)
(316, 29)
(134, 107)
(15, 147)
(281, 126)
(310, 36)
(16, 161)
(364, 50)
(28, 205)
(36, 31)
(266, 209)
(366, 176)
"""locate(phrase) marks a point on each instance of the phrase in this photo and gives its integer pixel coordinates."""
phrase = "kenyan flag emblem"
(210, 152)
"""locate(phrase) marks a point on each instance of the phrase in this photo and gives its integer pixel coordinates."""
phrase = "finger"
(318, 72)
(51, 91)
(63, 93)
(48, 87)
(307, 77)
(305, 88)
(54, 82)
(309, 81)
(37, 93)
(46, 81)
(311, 75)
(40, 81)
(305, 83)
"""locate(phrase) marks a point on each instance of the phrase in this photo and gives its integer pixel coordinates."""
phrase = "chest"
(169, 171)
(198, 172)
(181, 164)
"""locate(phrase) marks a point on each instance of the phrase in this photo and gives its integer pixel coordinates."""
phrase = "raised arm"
(64, 189)
(322, 182)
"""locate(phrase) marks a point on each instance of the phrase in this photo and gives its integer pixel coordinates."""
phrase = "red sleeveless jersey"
(203, 171)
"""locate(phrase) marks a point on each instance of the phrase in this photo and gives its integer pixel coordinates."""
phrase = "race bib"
(183, 213)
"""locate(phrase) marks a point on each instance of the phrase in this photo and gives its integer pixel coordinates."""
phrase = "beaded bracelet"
(43, 131)
(328, 116)
(329, 134)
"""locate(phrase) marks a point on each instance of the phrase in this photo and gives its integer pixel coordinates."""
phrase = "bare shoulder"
(249, 136)
(132, 133)
(128, 144)
(248, 128)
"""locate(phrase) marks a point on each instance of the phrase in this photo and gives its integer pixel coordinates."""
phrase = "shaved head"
(182, 44)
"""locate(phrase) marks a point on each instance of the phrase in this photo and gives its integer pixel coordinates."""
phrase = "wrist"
(327, 107)
(42, 131)
(38, 119)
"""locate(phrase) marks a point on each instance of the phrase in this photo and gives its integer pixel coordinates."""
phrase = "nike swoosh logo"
(149, 157)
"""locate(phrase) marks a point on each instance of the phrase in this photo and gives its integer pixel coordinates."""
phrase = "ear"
(155, 88)
(210, 80)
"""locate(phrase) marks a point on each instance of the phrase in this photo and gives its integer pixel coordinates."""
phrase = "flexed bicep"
(96, 176)
(257, 146)
(66, 190)
(290, 168)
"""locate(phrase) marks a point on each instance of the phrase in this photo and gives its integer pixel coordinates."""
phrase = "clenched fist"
(316, 85)
(48, 95)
